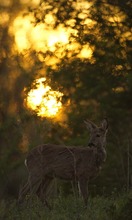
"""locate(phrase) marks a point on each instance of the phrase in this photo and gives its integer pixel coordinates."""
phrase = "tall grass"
(69, 208)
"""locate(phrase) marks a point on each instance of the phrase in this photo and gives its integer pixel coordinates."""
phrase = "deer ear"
(104, 124)
(90, 125)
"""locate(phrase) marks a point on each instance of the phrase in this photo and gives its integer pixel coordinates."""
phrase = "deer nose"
(90, 144)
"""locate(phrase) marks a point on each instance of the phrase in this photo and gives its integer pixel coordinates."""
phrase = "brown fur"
(79, 164)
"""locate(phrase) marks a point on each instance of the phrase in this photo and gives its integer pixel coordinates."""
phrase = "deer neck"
(101, 155)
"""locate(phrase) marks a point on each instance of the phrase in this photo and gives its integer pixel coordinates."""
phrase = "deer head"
(97, 134)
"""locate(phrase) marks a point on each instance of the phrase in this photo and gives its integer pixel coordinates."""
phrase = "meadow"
(114, 207)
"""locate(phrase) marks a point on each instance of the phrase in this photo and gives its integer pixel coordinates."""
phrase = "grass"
(99, 208)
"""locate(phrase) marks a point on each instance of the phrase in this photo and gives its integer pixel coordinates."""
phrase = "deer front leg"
(42, 191)
(75, 188)
(83, 188)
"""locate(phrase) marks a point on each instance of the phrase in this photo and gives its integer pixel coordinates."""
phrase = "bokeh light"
(43, 100)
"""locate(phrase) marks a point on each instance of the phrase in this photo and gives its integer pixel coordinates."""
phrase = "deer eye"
(98, 135)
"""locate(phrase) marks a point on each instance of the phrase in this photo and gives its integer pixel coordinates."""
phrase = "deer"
(79, 164)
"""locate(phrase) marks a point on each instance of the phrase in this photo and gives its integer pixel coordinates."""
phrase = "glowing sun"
(43, 100)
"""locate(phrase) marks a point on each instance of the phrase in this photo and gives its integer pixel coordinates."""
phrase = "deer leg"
(75, 188)
(23, 192)
(84, 190)
(43, 191)
(30, 187)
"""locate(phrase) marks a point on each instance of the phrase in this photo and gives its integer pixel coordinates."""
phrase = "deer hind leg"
(84, 190)
(23, 192)
(43, 190)
(30, 187)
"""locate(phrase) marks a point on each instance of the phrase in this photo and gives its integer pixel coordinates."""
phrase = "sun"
(43, 100)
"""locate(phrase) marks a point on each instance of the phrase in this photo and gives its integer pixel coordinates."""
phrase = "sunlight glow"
(31, 2)
(5, 3)
(43, 37)
(118, 89)
(80, 5)
(42, 33)
(4, 18)
(86, 52)
(21, 27)
(115, 14)
(43, 100)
